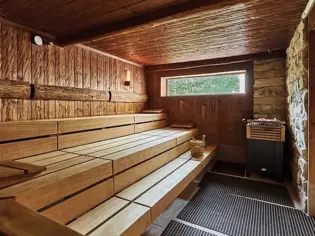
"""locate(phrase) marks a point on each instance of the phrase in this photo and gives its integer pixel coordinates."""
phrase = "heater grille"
(265, 132)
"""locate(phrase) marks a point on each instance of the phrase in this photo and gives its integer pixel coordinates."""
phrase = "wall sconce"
(128, 77)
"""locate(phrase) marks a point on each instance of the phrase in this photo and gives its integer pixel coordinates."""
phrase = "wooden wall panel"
(70, 66)
(219, 117)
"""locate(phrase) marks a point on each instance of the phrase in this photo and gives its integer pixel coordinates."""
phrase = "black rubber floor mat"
(229, 168)
(178, 229)
(262, 191)
(237, 216)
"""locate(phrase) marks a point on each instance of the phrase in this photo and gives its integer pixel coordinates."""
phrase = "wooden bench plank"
(102, 143)
(131, 221)
(26, 129)
(130, 144)
(89, 123)
(132, 156)
(132, 175)
(40, 157)
(70, 140)
(57, 185)
(6, 172)
(114, 147)
(185, 135)
(98, 215)
(75, 206)
(135, 190)
(149, 126)
(141, 118)
(49, 169)
(16, 150)
(53, 160)
(162, 194)
(16, 219)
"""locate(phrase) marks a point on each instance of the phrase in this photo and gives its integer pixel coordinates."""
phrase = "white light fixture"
(38, 40)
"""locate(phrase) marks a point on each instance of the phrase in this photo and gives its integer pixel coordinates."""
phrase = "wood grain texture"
(311, 118)
(202, 33)
(75, 206)
(132, 175)
(218, 117)
(24, 62)
(50, 188)
(71, 140)
(127, 97)
(138, 188)
(161, 195)
(26, 129)
(16, 150)
(98, 215)
(133, 220)
(16, 219)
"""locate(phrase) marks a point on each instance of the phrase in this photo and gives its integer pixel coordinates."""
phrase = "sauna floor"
(232, 206)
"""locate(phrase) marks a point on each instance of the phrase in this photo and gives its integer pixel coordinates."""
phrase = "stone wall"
(269, 89)
(297, 105)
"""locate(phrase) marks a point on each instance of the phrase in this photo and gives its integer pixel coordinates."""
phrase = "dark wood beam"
(219, 61)
(149, 19)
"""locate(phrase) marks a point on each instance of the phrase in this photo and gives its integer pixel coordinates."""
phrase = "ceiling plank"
(148, 20)
(219, 61)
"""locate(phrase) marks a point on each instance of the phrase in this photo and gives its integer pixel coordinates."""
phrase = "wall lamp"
(128, 77)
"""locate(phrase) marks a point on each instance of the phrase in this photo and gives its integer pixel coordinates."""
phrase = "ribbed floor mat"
(234, 215)
(177, 229)
(273, 193)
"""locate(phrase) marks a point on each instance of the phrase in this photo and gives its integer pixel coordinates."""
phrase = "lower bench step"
(133, 220)
(162, 194)
(92, 219)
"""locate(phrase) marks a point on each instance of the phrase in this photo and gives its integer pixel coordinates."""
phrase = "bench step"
(128, 177)
(98, 215)
(132, 221)
(52, 187)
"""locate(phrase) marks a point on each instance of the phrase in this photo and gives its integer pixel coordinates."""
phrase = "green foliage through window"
(204, 85)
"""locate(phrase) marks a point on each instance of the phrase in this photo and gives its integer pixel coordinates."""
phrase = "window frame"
(164, 83)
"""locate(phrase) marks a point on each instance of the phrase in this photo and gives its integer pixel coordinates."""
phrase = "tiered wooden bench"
(105, 175)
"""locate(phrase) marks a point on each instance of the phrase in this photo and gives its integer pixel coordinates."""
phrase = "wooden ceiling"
(152, 32)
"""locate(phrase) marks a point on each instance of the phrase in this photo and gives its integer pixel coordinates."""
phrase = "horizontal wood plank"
(50, 188)
(26, 129)
(135, 190)
(132, 175)
(94, 147)
(88, 123)
(131, 221)
(150, 125)
(16, 219)
(127, 97)
(132, 156)
(71, 140)
(132, 143)
(162, 194)
(16, 150)
(98, 215)
(141, 118)
(75, 206)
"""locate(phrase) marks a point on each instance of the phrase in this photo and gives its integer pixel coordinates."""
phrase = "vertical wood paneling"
(24, 50)
(86, 80)
(219, 117)
(9, 68)
(70, 66)
(78, 75)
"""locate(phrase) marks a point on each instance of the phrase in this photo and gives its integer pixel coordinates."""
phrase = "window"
(206, 84)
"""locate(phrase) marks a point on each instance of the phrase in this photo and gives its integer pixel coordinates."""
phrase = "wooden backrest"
(27, 138)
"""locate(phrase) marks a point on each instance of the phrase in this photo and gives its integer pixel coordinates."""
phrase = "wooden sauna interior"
(79, 74)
